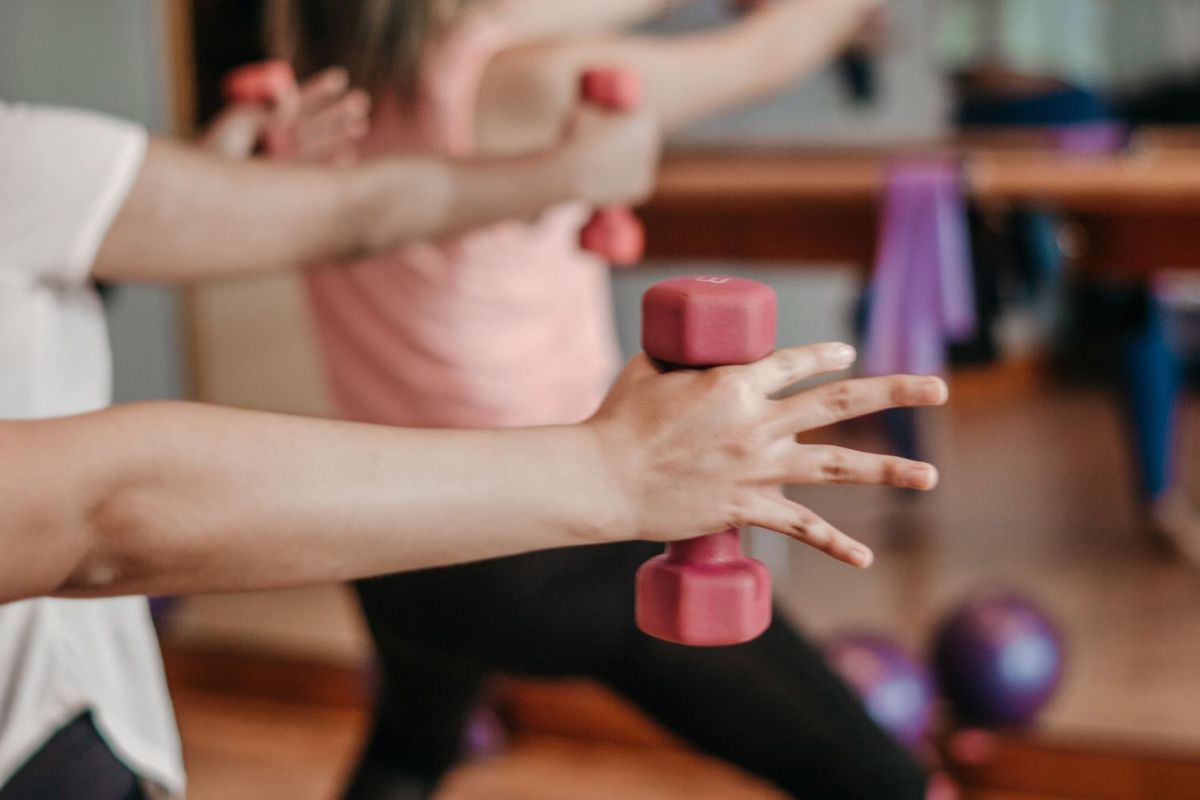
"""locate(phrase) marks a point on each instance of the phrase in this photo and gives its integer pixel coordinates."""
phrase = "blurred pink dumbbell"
(705, 592)
(261, 83)
(613, 233)
(267, 83)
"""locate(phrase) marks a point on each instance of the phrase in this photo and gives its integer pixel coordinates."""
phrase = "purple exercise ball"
(998, 658)
(895, 689)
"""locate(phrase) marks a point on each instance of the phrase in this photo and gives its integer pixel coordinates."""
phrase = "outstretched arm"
(688, 77)
(191, 215)
(168, 498)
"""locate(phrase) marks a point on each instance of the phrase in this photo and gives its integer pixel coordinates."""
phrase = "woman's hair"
(380, 42)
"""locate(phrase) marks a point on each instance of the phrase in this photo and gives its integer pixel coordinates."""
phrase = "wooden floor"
(1035, 495)
(238, 748)
(268, 750)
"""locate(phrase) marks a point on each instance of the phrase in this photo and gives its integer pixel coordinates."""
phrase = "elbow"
(61, 552)
(73, 524)
(109, 538)
(46, 525)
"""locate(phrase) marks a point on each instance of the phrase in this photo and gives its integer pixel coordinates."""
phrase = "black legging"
(771, 706)
(75, 764)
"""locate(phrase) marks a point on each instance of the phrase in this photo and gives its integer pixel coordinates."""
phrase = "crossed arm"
(191, 215)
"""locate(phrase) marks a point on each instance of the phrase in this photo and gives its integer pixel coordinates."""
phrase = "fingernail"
(861, 556)
(934, 390)
(921, 476)
(844, 354)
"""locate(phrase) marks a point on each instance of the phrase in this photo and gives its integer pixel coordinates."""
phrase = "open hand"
(711, 450)
(319, 120)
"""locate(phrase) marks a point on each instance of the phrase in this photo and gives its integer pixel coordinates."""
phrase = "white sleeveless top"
(63, 177)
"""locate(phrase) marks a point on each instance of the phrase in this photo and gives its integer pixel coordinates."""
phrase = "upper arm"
(534, 89)
(684, 78)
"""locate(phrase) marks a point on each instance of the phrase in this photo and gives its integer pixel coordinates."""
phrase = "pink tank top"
(507, 326)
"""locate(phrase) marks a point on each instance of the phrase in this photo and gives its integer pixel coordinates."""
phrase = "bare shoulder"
(525, 98)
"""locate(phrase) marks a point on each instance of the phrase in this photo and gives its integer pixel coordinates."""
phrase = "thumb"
(235, 133)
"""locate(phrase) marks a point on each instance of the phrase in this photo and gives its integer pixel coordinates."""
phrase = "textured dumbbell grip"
(614, 233)
(715, 548)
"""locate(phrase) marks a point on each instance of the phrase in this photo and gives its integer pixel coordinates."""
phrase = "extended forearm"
(460, 196)
(185, 498)
(784, 42)
(192, 216)
(687, 78)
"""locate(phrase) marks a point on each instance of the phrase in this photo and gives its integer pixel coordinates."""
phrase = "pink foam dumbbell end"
(613, 88)
(709, 321)
(614, 234)
(265, 82)
(704, 592)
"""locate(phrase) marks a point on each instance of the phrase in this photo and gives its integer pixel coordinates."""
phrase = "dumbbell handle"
(613, 233)
(715, 547)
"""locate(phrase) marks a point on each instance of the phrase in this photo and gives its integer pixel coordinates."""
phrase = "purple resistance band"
(922, 291)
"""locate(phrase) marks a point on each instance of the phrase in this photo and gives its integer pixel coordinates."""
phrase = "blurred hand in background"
(319, 120)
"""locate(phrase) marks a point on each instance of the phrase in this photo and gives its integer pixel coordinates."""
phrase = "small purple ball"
(484, 734)
(998, 658)
(895, 689)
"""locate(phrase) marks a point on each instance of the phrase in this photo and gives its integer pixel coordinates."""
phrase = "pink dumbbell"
(267, 83)
(613, 233)
(260, 84)
(705, 592)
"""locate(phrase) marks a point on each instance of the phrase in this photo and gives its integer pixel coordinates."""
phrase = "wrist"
(615, 463)
(566, 176)
(393, 201)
